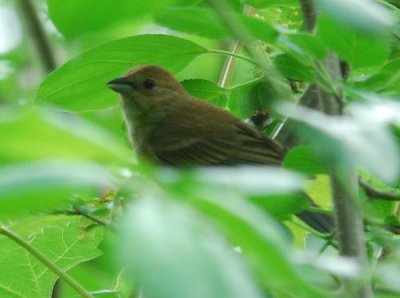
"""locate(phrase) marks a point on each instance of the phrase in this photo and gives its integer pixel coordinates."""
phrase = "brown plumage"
(168, 126)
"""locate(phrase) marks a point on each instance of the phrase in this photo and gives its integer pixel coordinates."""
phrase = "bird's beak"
(121, 85)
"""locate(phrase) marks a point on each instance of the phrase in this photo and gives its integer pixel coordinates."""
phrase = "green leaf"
(386, 80)
(200, 21)
(281, 207)
(45, 185)
(301, 159)
(254, 95)
(80, 84)
(241, 103)
(362, 15)
(357, 48)
(207, 90)
(63, 239)
(93, 15)
(266, 3)
(206, 22)
(292, 68)
(167, 245)
(305, 43)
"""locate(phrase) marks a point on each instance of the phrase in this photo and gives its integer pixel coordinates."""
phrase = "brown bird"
(168, 126)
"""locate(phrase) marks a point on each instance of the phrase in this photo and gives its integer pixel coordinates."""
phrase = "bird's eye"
(149, 84)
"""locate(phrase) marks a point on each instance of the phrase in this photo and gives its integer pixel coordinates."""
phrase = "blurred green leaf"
(176, 254)
(63, 239)
(251, 180)
(45, 185)
(362, 15)
(206, 22)
(207, 90)
(357, 48)
(97, 15)
(366, 142)
(265, 186)
(386, 274)
(38, 135)
(263, 243)
(80, 84)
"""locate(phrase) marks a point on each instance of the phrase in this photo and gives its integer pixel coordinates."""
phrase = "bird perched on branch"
(168, 126)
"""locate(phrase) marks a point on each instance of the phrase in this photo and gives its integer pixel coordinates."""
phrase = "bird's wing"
(240, 144)
(192, 151)
(255, 147)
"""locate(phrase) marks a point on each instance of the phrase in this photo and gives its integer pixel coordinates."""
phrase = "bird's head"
(147, 89)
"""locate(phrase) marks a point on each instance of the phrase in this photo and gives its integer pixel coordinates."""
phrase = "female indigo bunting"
(168, 126)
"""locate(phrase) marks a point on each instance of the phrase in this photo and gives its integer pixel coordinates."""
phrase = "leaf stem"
(48, 263)
(241, 33)
(378, 194)
(231, 54)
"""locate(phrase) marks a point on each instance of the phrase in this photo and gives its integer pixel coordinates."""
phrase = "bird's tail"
(321, 222)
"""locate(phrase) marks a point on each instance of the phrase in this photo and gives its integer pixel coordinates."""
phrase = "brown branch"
(309, 14)
(79, 211)
(344, 181)
(378, 194)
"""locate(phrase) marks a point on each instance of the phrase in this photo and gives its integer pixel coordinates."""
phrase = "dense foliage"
(81, 216)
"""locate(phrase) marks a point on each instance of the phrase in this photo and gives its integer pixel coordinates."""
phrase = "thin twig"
(230, 62)
(309, 14)
(378, 194)
(79, 211)
(39, 36)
